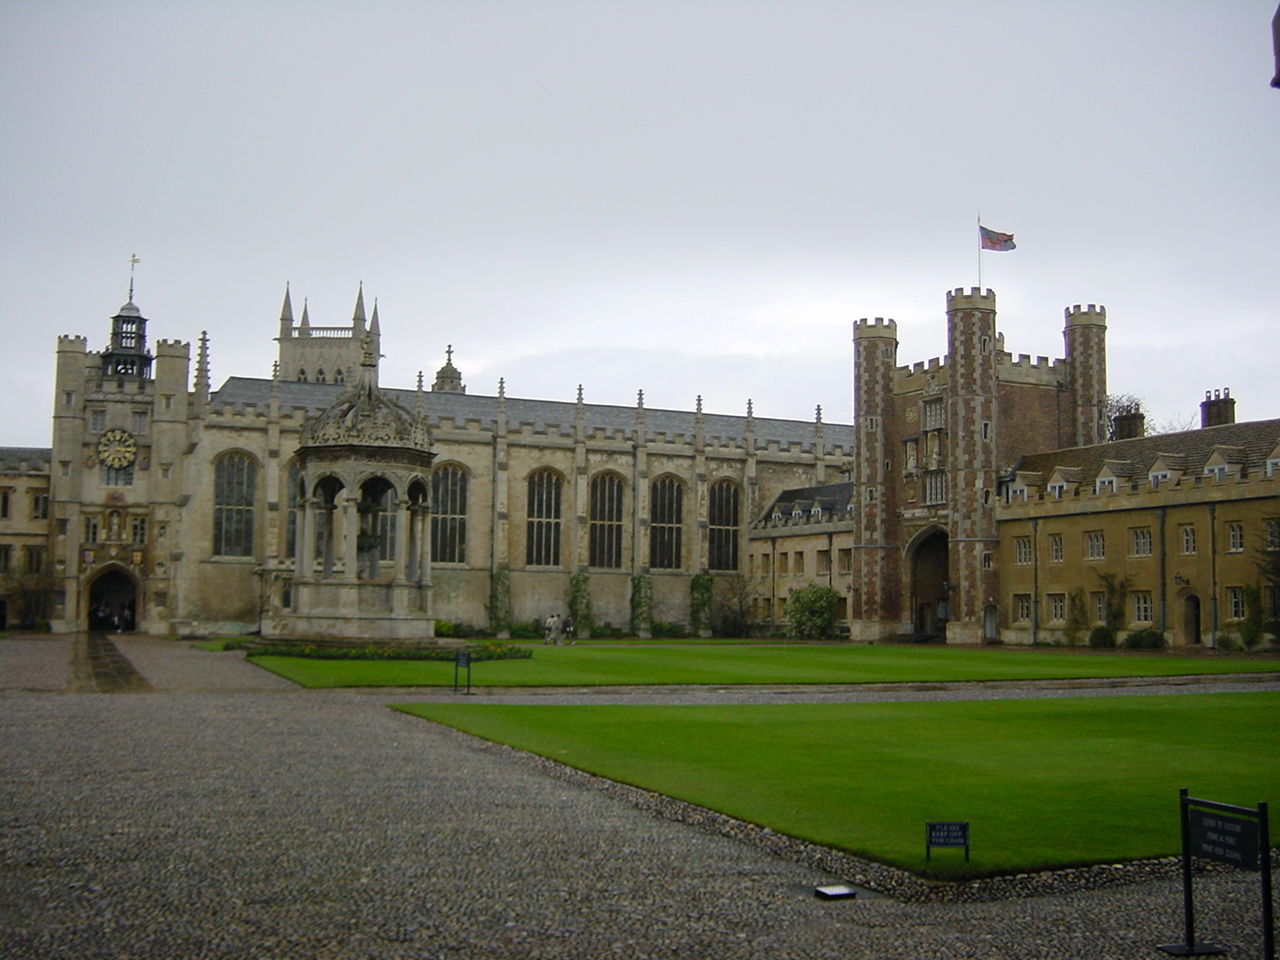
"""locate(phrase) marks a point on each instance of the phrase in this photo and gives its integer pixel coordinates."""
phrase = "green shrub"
(1145, 640)
(700, 590)
(1102, 637)
(528, 630)
(669, 631)
(811, 612)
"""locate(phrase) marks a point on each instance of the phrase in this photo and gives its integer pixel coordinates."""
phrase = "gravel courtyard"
(207, 809)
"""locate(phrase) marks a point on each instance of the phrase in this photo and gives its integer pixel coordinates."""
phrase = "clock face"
(117, 448)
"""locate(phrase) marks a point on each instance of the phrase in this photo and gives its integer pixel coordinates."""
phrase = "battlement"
(72, 344)
(173, 348)
(879, 327)
(920, 366)
(1090, 315)
(975, 299)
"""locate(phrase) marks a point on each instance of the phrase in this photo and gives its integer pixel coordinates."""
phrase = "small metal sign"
(946, 833)
(1237, 836)
(1224, 836)
(462, 658)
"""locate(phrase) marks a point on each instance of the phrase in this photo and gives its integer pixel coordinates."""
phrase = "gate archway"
(930, 560)
(113, 601)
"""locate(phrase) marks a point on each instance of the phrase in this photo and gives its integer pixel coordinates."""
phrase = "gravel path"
(223, 814)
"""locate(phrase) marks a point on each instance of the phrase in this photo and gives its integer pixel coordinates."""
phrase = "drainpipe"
(1164, 582)
(1035, 580)
(1213, 573)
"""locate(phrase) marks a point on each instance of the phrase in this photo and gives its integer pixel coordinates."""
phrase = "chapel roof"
(36, 459)
(541, 414)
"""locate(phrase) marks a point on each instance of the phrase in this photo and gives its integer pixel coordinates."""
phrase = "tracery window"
(449, 516)
(542, 531)
(723, 521)
(666, 518)
(234, 477)
(605, 529)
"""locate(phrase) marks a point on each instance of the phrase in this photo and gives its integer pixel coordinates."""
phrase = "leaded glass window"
(449, 519)
(723, 520)
(605, 531)
(666, 517)
(542, 532)
(234, 477)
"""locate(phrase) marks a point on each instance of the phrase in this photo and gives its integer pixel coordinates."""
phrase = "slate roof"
(541, 413)
(36, 458)
(1256, 439)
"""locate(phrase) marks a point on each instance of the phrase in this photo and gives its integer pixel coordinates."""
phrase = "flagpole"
(979, 252)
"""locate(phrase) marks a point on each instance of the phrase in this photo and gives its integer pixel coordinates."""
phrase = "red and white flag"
(994, 240)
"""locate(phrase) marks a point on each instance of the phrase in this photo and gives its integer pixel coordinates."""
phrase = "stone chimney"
(1217, 408)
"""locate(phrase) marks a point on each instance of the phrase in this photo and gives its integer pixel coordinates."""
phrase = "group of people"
(559, 628)
(102, 617)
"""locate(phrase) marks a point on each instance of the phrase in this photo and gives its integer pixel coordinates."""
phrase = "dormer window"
(777, 516)
(816, 512)
(1105, 485)
(1056, 490)
(1218, 471)
(1273, 467)
(1158, 477)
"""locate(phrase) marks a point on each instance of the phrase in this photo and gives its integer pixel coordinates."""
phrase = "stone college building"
(965, 500)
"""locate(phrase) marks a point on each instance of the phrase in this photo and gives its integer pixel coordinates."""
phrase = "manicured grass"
(758, 664)
(1044, 783)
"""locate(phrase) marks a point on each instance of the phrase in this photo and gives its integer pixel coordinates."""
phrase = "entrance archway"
(929, 565)
(113, 601)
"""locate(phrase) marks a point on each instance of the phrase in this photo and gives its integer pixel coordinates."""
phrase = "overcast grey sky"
(686, 197)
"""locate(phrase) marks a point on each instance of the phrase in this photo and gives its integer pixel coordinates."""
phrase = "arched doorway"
(929, 565)
(1191, 619)
(113, 601)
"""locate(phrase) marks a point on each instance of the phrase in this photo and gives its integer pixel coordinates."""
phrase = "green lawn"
(667, 663)
(1045, 783)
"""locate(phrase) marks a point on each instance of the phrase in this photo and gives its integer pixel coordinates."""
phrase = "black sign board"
(1224, 836)
(1237, 836)
(461, 659)
(946, 833)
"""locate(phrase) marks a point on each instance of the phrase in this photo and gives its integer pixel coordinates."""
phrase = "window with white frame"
(1057, 603)
(1022, 606)
(1217, 471)
(1099, 606)
(1056, 490)
(1140, 542)
(1158, 477)
(932, 415)
(1235, 537)
(1142, 606)
(1055, 548)
(1105, 485)
(1187, 536)
(1095, 545)
(1235, 603)
(1273, 467)
(1022, 550)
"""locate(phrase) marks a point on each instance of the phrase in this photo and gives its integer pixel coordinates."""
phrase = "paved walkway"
(225, 813)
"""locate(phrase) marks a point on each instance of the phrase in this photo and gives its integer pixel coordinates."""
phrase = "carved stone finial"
(502, 386)
(579, 393)
(698, 404)
(640, 398)
(817, 418)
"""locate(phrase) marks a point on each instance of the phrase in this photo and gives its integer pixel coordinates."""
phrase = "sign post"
(946, 834)
(1236, 836)
(462, 659)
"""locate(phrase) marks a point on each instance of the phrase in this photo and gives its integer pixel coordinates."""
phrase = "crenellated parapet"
(879, 328)
(975, 299)
(1091, 315)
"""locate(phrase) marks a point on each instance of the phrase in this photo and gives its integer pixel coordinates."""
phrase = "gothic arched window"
(542, 532)
(234, 483)
(320, 375)
(449, 514)
(666, 520)
(302, 375)
(605, 537)
(723, 521)
(339, 376)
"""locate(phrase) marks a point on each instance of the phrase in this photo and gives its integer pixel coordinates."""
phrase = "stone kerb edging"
(890, 881)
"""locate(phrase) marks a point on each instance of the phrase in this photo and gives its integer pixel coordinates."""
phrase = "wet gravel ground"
(237, 817)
